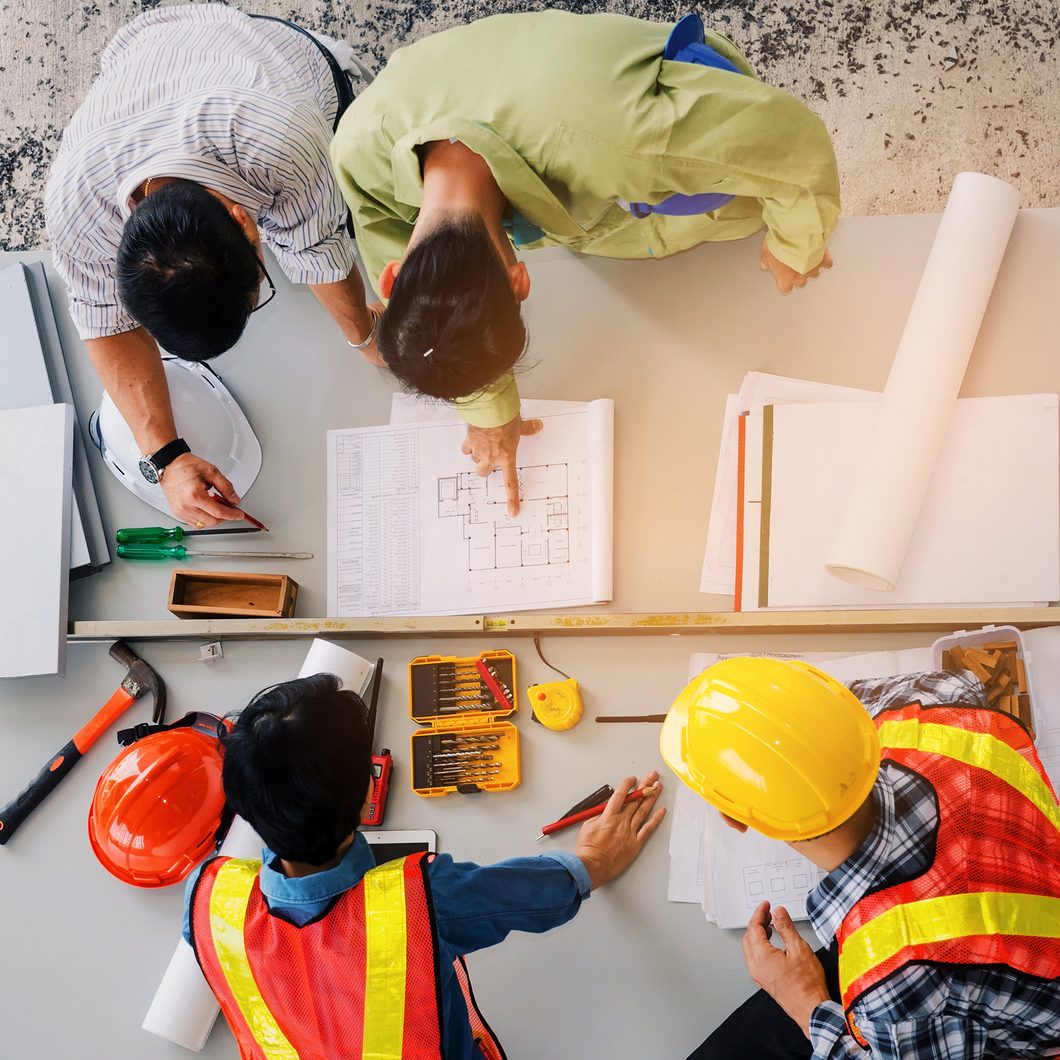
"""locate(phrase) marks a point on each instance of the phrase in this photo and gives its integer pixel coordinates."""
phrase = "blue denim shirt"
(475, 906)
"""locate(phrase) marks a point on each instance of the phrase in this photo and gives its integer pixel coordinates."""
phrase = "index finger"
(511, 484)
(223, 486)
(216, 508)
(642, 807)
(755, 936)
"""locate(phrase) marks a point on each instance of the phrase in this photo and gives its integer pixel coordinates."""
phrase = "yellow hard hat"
(778, 745)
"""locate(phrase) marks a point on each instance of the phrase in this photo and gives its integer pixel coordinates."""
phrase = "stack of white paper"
(756, 390)
(35, 374)
(987, 532)
(36, 459)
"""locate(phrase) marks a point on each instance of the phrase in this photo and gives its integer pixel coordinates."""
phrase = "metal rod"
(251, 555)
(602, 718)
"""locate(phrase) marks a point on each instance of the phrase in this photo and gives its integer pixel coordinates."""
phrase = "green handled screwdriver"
(153, 535)
(164, 551)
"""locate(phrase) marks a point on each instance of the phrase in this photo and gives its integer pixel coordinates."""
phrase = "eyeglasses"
(263, 302)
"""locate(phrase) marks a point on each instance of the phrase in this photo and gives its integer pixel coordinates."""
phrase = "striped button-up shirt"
(243, 106)
(924, 1011)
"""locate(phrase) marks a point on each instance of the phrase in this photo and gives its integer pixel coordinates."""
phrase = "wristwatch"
(153, 466)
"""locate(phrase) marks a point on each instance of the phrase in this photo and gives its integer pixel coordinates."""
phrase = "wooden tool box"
(229, 594)
(461, 747)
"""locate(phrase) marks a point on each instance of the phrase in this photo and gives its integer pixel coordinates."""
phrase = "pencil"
(593, 811)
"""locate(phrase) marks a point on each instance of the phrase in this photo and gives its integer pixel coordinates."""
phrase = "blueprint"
(412, 529)
(540, 536)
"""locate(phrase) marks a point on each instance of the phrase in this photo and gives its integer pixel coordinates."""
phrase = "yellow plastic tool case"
(463, 745)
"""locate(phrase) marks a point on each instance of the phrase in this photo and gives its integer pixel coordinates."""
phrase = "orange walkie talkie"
(382, 763)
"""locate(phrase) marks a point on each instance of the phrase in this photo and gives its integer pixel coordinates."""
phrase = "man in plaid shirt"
(949, 993)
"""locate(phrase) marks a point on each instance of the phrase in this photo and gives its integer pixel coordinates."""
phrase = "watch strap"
(169, 452)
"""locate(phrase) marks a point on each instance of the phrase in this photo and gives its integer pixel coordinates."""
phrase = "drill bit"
(459, 757)
(448, 740)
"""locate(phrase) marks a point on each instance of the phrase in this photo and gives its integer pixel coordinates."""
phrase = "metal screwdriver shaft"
(165, 551)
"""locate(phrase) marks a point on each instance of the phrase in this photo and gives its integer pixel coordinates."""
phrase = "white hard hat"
(207, 418)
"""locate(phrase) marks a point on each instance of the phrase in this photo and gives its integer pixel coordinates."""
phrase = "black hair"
(187, 272)
(297, 766)
(453, 297)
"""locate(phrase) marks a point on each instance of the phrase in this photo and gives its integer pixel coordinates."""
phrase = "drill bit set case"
(463, 744)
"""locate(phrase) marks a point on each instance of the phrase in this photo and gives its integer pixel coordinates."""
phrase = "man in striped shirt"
(205, 135)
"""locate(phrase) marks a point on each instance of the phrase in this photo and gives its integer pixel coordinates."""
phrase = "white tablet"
(388, 844)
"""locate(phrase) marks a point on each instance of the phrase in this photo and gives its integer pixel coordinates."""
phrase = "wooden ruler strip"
(923, 620)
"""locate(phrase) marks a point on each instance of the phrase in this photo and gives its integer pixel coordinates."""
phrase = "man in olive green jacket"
(593, 132)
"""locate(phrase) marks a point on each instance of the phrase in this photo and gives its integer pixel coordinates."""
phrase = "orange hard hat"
(159, 806)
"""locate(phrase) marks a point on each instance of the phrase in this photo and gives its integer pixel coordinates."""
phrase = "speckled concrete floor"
(912, 92)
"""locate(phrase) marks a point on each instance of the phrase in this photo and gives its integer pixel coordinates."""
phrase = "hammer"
(140, 678)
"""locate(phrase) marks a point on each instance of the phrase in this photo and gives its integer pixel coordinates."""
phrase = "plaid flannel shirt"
(923, 1011)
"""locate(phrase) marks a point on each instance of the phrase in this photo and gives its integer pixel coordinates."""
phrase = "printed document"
(414, 530)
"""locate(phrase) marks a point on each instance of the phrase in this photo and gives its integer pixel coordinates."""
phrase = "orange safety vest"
(991, 895)
(359, 981)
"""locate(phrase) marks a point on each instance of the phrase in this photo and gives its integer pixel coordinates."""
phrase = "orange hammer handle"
(12, 815)
(105, 716)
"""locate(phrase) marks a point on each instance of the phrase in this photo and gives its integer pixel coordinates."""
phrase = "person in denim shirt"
(297, 768)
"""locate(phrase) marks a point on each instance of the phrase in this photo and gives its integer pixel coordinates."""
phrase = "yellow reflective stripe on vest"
(948, 917)
(385, 964)
(229, 899)
(977, 749)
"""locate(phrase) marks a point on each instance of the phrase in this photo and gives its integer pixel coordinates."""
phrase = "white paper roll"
(886, 496)
(325, 657)
(184, 1008)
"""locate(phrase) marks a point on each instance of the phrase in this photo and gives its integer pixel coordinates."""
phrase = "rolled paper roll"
(184, 1008)
(886, 496)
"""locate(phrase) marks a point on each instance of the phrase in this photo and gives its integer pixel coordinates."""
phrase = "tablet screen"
(388, 845)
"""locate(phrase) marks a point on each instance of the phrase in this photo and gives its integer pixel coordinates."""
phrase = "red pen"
(593, 811)
(253, 522)
(249, 518)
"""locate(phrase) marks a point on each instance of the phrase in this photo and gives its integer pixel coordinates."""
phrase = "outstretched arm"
(130, 368)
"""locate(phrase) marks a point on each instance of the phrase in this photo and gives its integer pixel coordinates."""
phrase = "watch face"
(149, 471)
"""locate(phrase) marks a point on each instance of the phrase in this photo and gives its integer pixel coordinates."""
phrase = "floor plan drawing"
(539, 537)
(412, 529)
(779, 881)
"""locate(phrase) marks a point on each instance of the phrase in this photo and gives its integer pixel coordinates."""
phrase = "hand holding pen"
(610, 842)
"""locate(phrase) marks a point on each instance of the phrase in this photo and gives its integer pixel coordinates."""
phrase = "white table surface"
(633, 976)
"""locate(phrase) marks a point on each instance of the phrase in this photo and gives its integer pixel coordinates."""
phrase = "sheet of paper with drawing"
(412, 529)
